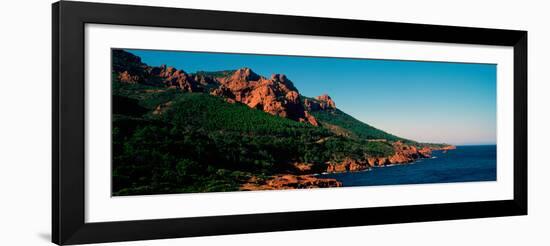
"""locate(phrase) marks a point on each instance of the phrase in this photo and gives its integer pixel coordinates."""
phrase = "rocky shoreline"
(289, 181)
(305, 176)
(403, 154)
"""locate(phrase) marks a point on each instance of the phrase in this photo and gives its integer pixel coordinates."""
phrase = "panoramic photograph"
(194, 122)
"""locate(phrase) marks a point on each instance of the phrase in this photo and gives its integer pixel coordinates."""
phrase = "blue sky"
(425, 101)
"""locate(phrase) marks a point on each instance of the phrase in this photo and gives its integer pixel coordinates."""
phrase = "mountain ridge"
(227, 130)
(276, 95)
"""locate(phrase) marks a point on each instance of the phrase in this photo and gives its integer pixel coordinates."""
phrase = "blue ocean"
(464, 164)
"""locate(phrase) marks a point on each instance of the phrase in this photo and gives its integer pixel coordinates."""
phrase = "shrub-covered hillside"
(199, 142)
(175, 132)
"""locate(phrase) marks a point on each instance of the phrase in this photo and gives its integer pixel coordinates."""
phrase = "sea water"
(464, 164)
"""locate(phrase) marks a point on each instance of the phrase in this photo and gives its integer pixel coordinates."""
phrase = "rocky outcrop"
(126, 77)
(347, 165)
(326, 102)
(377, 161)
(128, 68)
(310, 119)
(276, 95)
(322, 102)
(403, 154)
(289, 181)
(205, 81)
(173, 78)
(425, 152)
(447, 147)
(302, 167)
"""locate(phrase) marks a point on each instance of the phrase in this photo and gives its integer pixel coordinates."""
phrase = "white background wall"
(25, 102)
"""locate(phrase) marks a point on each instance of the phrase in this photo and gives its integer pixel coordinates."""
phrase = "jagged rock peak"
(276, 96)
(282, 79)
(324, 97)
(326, 101)
(246, 74)
(279, 77)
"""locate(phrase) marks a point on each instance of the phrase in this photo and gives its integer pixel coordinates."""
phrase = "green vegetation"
(202, 143)
(213, 113)
(165, 140)
(357, 128)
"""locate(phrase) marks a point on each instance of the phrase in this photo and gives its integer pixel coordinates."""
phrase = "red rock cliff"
(276, 95)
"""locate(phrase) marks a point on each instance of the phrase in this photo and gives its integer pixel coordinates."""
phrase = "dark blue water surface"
(464, 164)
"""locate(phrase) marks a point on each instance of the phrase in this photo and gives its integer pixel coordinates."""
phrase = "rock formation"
(425, 152)
(322, 102)
(326, 102)
(289, 181)
(403, 154)
(174, 78)
(276, 95)
(347, 165)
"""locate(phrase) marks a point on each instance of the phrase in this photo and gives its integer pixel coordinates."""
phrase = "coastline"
(465, 164)
(305, 177)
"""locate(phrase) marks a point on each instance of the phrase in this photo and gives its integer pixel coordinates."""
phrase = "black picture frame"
(68, 172)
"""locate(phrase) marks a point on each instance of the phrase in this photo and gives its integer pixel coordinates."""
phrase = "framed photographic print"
(176, 122)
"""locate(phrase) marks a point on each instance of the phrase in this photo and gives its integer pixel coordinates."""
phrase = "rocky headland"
(304, 174)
